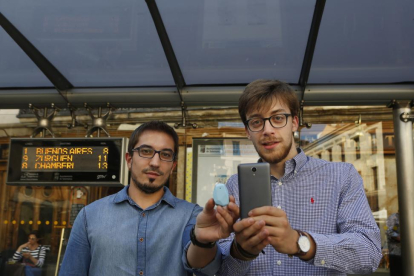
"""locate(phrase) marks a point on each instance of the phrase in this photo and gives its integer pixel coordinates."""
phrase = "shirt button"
(141, 239)
(279, 262)
(295, 171)
(279, 207)
(322, 262)
(280, 183)
(143, 214)
(141, 272)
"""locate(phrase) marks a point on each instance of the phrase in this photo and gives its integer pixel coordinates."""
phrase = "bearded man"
(319, 223)
(144, 229)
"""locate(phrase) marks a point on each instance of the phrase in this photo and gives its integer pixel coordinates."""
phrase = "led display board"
(67, 161)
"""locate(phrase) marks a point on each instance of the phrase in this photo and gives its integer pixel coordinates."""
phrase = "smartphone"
(254, 187)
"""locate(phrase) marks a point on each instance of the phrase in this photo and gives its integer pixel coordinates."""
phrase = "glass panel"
(47, 213)
(370, 148)
(216, 159)
(94, 43)
(368, 41)
(46, 222)
(25, 221)
(226, 42)
(16, 68)
(23, 213)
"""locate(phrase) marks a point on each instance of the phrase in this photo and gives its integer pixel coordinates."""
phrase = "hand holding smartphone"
(254, 187)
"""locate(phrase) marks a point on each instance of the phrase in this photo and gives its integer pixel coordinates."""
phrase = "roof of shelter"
(162, 53)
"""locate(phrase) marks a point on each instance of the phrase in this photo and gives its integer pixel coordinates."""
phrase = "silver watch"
(303, 244)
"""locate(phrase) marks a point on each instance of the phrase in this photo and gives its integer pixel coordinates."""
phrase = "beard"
(147, 188)
(275, 156)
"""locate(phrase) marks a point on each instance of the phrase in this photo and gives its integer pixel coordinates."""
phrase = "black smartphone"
(254, 187)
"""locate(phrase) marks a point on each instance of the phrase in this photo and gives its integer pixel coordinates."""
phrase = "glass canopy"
(368, 41)
(93, 43)
(228, 42)
(16, 68)
(205, 52)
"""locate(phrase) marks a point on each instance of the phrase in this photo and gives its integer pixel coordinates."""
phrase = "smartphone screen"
(254, 187)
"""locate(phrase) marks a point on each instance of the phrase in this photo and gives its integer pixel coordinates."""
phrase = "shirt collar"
(298, 161)
(168, 197)
(294, 164)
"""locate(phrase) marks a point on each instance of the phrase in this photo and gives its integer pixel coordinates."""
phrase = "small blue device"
(221, 194)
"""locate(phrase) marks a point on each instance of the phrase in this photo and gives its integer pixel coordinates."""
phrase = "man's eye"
(278, 118)
(256, 122)
(166, 154)
(146, 151)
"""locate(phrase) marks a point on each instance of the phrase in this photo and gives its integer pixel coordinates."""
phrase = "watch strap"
(197, 243)
(241, 253)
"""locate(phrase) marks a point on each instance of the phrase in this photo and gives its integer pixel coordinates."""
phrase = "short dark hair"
(263, 93)
(34, 232)
(155, 126)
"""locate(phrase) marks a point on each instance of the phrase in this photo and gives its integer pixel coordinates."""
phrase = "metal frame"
(310, 47)
(167, 46)
(194, 96)
(404, 156)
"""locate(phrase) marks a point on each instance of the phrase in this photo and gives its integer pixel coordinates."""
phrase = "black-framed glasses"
(148, 152)
(276, 121)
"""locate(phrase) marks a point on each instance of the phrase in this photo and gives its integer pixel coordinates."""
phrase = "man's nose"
(155, 160)
(268, 128)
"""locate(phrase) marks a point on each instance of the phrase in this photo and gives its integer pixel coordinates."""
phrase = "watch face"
(304, 244)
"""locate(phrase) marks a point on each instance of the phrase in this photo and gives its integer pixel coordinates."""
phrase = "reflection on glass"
(44, 209)
(370, 148)
(28, 191)
(47, 191)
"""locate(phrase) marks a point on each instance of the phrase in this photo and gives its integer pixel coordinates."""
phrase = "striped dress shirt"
(326, 200)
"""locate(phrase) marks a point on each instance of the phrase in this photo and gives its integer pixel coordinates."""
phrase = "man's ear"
(173, 166)
(247, 132)
(295, 123)
(128, 158)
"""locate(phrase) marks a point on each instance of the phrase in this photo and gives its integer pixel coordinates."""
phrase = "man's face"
(274, 145)
(150, 175)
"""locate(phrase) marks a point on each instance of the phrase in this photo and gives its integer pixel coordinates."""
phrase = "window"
(329, 154)
(28, 191)
(343, 151)
(357, 148)
(375, 177)
(374, 143)
(47, 191)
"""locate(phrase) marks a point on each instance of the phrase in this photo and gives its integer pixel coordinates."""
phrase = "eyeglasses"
(276, 121)
(147, 152)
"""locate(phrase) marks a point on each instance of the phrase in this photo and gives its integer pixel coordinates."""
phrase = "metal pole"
(404, 155)
(62, 240)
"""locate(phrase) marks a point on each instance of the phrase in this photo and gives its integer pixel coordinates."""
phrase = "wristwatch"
(303, 244)
(200, 244)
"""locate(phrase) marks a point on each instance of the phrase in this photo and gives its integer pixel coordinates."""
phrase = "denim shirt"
(114, 236)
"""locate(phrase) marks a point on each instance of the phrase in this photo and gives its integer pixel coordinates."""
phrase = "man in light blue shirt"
(144, 229)
(319, 223)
